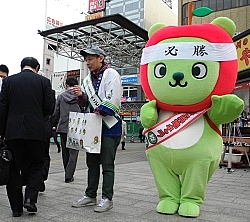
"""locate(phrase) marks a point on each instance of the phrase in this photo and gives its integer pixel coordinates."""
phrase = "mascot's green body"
(188, 74)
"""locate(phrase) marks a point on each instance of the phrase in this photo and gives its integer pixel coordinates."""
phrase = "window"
(185, 21)
(243, 2)
(133, 93)
(184, 11)
(235, 4)
(213, 5)
(227, 4)
(198, 4)
(116, 10)
(47, 61)
(52, 47)
(132, 6)
(125, 93)
(205, 3)
(129, 91)
(142, 14)
(219, 5)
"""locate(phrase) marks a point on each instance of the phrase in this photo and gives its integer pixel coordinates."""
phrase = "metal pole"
(229, 162)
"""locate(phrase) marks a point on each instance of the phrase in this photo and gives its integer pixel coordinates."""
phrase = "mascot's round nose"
(178, 76)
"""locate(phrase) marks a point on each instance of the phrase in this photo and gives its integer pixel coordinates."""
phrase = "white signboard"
(58, 81)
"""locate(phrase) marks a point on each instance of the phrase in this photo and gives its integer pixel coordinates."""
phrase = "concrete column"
(83, 71)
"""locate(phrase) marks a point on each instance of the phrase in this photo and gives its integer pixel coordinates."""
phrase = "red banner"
(96, 5)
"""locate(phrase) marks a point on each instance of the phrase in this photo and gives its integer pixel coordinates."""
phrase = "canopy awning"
(120, 38)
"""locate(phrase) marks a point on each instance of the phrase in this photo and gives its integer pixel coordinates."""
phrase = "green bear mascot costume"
(188, 74)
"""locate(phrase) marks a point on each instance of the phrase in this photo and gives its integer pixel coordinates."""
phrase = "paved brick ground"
(135, 196)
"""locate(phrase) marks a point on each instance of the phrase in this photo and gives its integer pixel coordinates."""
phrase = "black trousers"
(47, 159)
(26, 169)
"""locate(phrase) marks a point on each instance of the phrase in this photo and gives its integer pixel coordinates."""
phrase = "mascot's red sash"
(170, 127)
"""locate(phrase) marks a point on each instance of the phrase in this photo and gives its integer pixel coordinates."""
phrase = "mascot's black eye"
(160, 70)
(199, 70)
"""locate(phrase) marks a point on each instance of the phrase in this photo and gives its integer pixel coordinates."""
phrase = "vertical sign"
(243, 52)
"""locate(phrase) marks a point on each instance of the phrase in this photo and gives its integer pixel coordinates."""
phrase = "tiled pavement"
(135, 199)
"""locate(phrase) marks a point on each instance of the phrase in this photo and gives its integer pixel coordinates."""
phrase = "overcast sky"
(20, 20)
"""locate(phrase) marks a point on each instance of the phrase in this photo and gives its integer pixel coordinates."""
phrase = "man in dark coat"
(49, 134)
(25, 100)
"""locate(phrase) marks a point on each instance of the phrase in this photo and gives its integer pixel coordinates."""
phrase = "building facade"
(239, 12)
(144, 13)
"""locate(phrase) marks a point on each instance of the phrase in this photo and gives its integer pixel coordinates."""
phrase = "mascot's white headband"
(189, 50)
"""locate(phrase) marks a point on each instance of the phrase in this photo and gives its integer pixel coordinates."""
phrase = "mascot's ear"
(154, 28)
(225, 23)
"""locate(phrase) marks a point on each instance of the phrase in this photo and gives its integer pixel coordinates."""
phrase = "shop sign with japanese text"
(243, 53)
(53, 22)
(96, 5)
(94, 15)
(129, 79)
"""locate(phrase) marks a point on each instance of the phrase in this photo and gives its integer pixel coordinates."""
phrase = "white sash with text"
(169, 127)
(95, 101)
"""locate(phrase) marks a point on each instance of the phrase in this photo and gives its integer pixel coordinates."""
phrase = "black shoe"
(69, 180)
(59, 150)
(42, 187)
(123, 149)
(30, 205)
(17, 213)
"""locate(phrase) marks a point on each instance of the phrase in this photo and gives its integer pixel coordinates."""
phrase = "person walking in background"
(124, 133)
(65, 103)
(4, 72)
(25, 100)
(102, 95)
(141, 135)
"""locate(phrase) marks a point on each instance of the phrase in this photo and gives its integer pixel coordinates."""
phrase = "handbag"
(5, 161)
(84, 132)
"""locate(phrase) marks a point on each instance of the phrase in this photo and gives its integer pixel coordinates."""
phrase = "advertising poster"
(58, 81)
(243, 52)
(94, 15)
(96, 5)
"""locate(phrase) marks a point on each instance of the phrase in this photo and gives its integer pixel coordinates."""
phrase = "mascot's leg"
(168, 186)
(194, 183)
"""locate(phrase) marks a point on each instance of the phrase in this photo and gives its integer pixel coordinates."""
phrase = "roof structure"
(132, 106)
(120, 38)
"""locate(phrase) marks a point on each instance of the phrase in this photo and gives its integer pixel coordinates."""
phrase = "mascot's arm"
(225, 108)
(149, 114)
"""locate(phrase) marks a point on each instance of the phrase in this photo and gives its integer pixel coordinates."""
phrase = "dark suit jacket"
(25, 100)
(48, 120)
